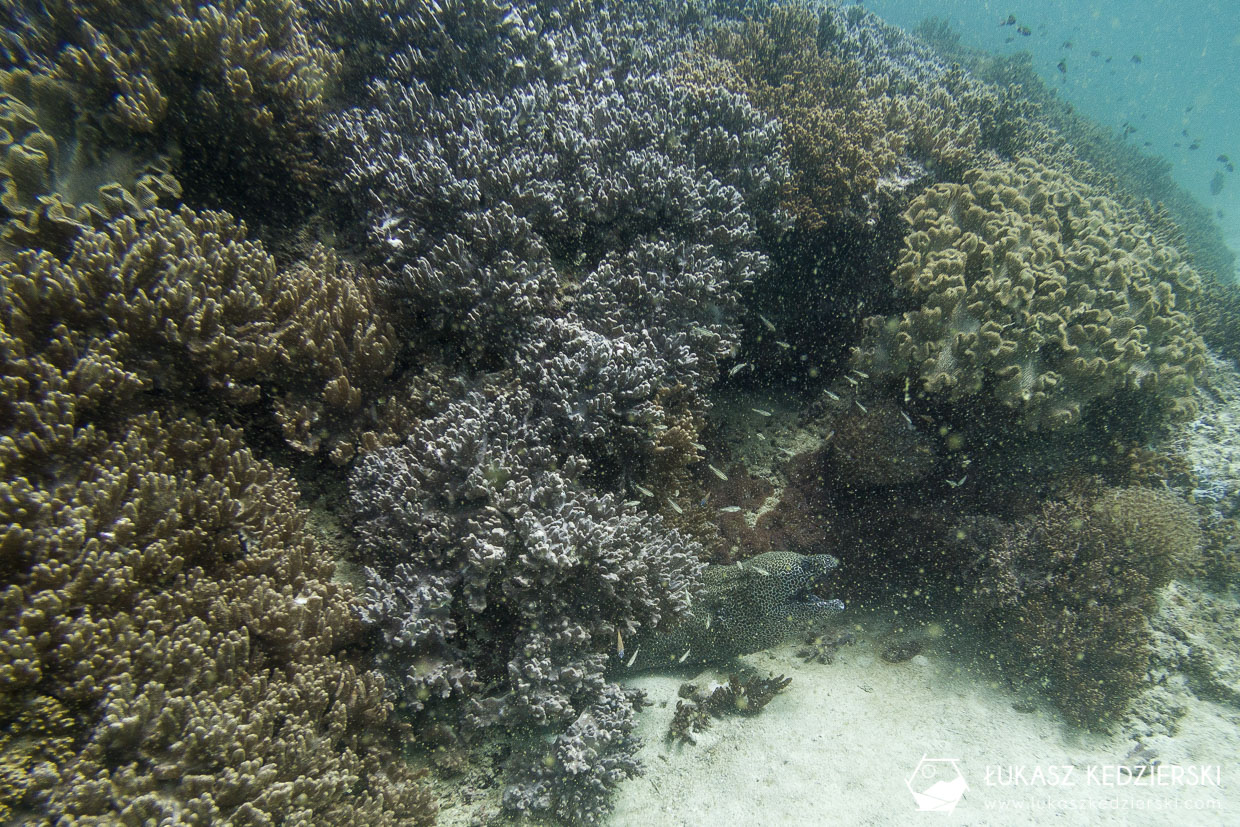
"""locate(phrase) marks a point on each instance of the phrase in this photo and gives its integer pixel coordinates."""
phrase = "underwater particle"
(761, 412)
(1216, 183)
(717, 472)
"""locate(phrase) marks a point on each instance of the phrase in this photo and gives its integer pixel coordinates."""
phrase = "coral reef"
(487, 562)
(1042, 294)
(856, 129)
(195, 307)
(573, 776)
(168, 623)
(1068, 592)
(879, 445)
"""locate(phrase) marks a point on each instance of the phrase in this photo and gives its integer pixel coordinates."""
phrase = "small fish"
(1231, 168)
(619, 644)
(737, 368)
(631, 503)
(1094, 53)
(1135, 58)
(633, 659)
(641, 489)
(959, 482)
(769, 325)
(709, 618)
(1023, 31)
(1216, 183)
(761, 436)
(760, 412)
(827, 438)
(1223, 159)
(717, 472)
(1062, 66)
(1067, 44)
(1194, 146)
(831, 396)
(784, 345)
(862, 407)
(861, 373)
(685, 656)
(853, 381)
(698, 445)
(761, 571)
(1011, 21)
(730, 509)
(675, 507)
(907, 418)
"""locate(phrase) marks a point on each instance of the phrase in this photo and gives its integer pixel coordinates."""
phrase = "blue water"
(1185, 82)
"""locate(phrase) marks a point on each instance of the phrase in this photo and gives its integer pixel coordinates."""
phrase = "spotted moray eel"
(742, 608)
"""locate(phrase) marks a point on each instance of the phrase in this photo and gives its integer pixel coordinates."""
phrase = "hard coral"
(168, 625)
(194, 306)
(855, 130)
(1069, 591)
(1042, 294)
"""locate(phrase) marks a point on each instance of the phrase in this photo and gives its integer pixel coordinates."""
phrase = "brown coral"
(847, 131)
(1041, 293)
(55, 174)
(1068, 592)
(234, 88)
(193, 306)
(168, 627)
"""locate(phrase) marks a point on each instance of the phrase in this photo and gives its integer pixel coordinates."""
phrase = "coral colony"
(507, 306)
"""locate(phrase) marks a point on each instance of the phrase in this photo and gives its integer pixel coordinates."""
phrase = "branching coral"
(853, 130)
(1068, 593)
(1042, 294)
(194, 306)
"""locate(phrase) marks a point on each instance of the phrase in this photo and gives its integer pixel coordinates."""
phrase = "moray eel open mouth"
(814, 572)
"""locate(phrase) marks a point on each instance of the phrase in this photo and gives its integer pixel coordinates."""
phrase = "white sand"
(839, 744)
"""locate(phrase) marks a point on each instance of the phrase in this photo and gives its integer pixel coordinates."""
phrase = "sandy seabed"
(845, 741)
